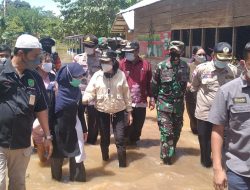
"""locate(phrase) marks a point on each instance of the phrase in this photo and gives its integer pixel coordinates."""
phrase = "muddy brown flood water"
(145, 170)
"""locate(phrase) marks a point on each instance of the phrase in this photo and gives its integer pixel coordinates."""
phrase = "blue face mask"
(220, 64)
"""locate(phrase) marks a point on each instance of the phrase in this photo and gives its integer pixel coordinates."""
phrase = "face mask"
(47, 67)
(200, 59)
(174, 56)
(75, 82)
(106, 67)
(220, 64)
(130, 56)
(89, 51)
(33, 64)
(2, 60)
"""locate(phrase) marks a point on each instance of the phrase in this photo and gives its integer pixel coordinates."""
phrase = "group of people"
(113, 88)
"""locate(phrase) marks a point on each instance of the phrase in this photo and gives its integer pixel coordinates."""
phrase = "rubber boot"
(77, 171)
(122, 159)
(105, 153)
(56, 168)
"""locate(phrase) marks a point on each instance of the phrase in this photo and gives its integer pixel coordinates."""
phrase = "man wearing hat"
(91, 61)
(22, 97)
(139, 74)
(207, 78)
(169, 86)
(230, 115)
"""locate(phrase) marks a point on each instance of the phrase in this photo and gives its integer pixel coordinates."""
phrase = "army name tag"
(32, 100)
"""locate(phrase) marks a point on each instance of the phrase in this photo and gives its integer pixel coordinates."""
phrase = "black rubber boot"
(77, 171)
(105, 153)
(122, 159)
(56, 168)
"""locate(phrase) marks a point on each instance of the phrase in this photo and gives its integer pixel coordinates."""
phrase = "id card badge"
(32, 100)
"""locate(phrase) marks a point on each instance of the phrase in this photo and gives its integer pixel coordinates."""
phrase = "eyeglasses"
(200, 54)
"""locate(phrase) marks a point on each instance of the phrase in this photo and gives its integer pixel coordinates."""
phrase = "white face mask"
(2, 60)
(200, 59)
(220, 64)
(47, 67)
(130, 56)
(106, 67)
(89, 51)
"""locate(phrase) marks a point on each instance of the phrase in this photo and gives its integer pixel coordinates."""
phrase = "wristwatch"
(48, 137)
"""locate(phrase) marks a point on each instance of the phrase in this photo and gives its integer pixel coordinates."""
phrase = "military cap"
(132, 46)
(223, 51)
(177, 45)
(108, 55)
(90, 40)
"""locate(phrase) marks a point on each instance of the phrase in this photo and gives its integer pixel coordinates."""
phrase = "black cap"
(130, 47)
(223, 51)
(90, 40)
(108, 55)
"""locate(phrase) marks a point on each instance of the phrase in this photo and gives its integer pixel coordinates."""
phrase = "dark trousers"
(117, 121)
(76, 170)
(204, 135)
(134, 131)
(92, 122)
(190, 98)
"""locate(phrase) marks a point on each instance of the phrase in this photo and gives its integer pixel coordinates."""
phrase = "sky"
(46, 4)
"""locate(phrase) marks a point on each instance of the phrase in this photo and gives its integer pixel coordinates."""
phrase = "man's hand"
(220, 180)
(48, 147)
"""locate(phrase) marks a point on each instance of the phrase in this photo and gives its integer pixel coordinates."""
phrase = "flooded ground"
(145, 169)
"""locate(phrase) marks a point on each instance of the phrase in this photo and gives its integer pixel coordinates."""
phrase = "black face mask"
(174, 56)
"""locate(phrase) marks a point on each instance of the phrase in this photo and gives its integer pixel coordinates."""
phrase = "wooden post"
(190, 42)
(181, 35)
(234, 36)
(203, 36)
(216, 35)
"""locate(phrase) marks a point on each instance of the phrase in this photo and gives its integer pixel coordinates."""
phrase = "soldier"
(169, 86)
(207, 78)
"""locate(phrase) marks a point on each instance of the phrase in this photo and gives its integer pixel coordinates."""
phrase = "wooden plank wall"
(241, 13)
(157, 14)
(169, 15)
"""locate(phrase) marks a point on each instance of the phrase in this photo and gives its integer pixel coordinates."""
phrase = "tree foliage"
(91, 16)
(22, 18)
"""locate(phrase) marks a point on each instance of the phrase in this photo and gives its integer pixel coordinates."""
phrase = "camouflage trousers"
(170, 125)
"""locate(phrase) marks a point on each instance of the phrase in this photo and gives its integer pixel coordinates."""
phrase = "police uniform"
(231, 108)
(20, 98)
(169, 86)
(93, 65)
(206, 81)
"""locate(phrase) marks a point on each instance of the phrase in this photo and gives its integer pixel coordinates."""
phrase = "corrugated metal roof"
(127, 15)
(138, 5)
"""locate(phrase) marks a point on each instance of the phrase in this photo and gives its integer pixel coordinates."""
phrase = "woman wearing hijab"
(70, 130)
(108, 87)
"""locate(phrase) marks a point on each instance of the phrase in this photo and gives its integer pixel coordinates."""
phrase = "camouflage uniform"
(169, 86)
